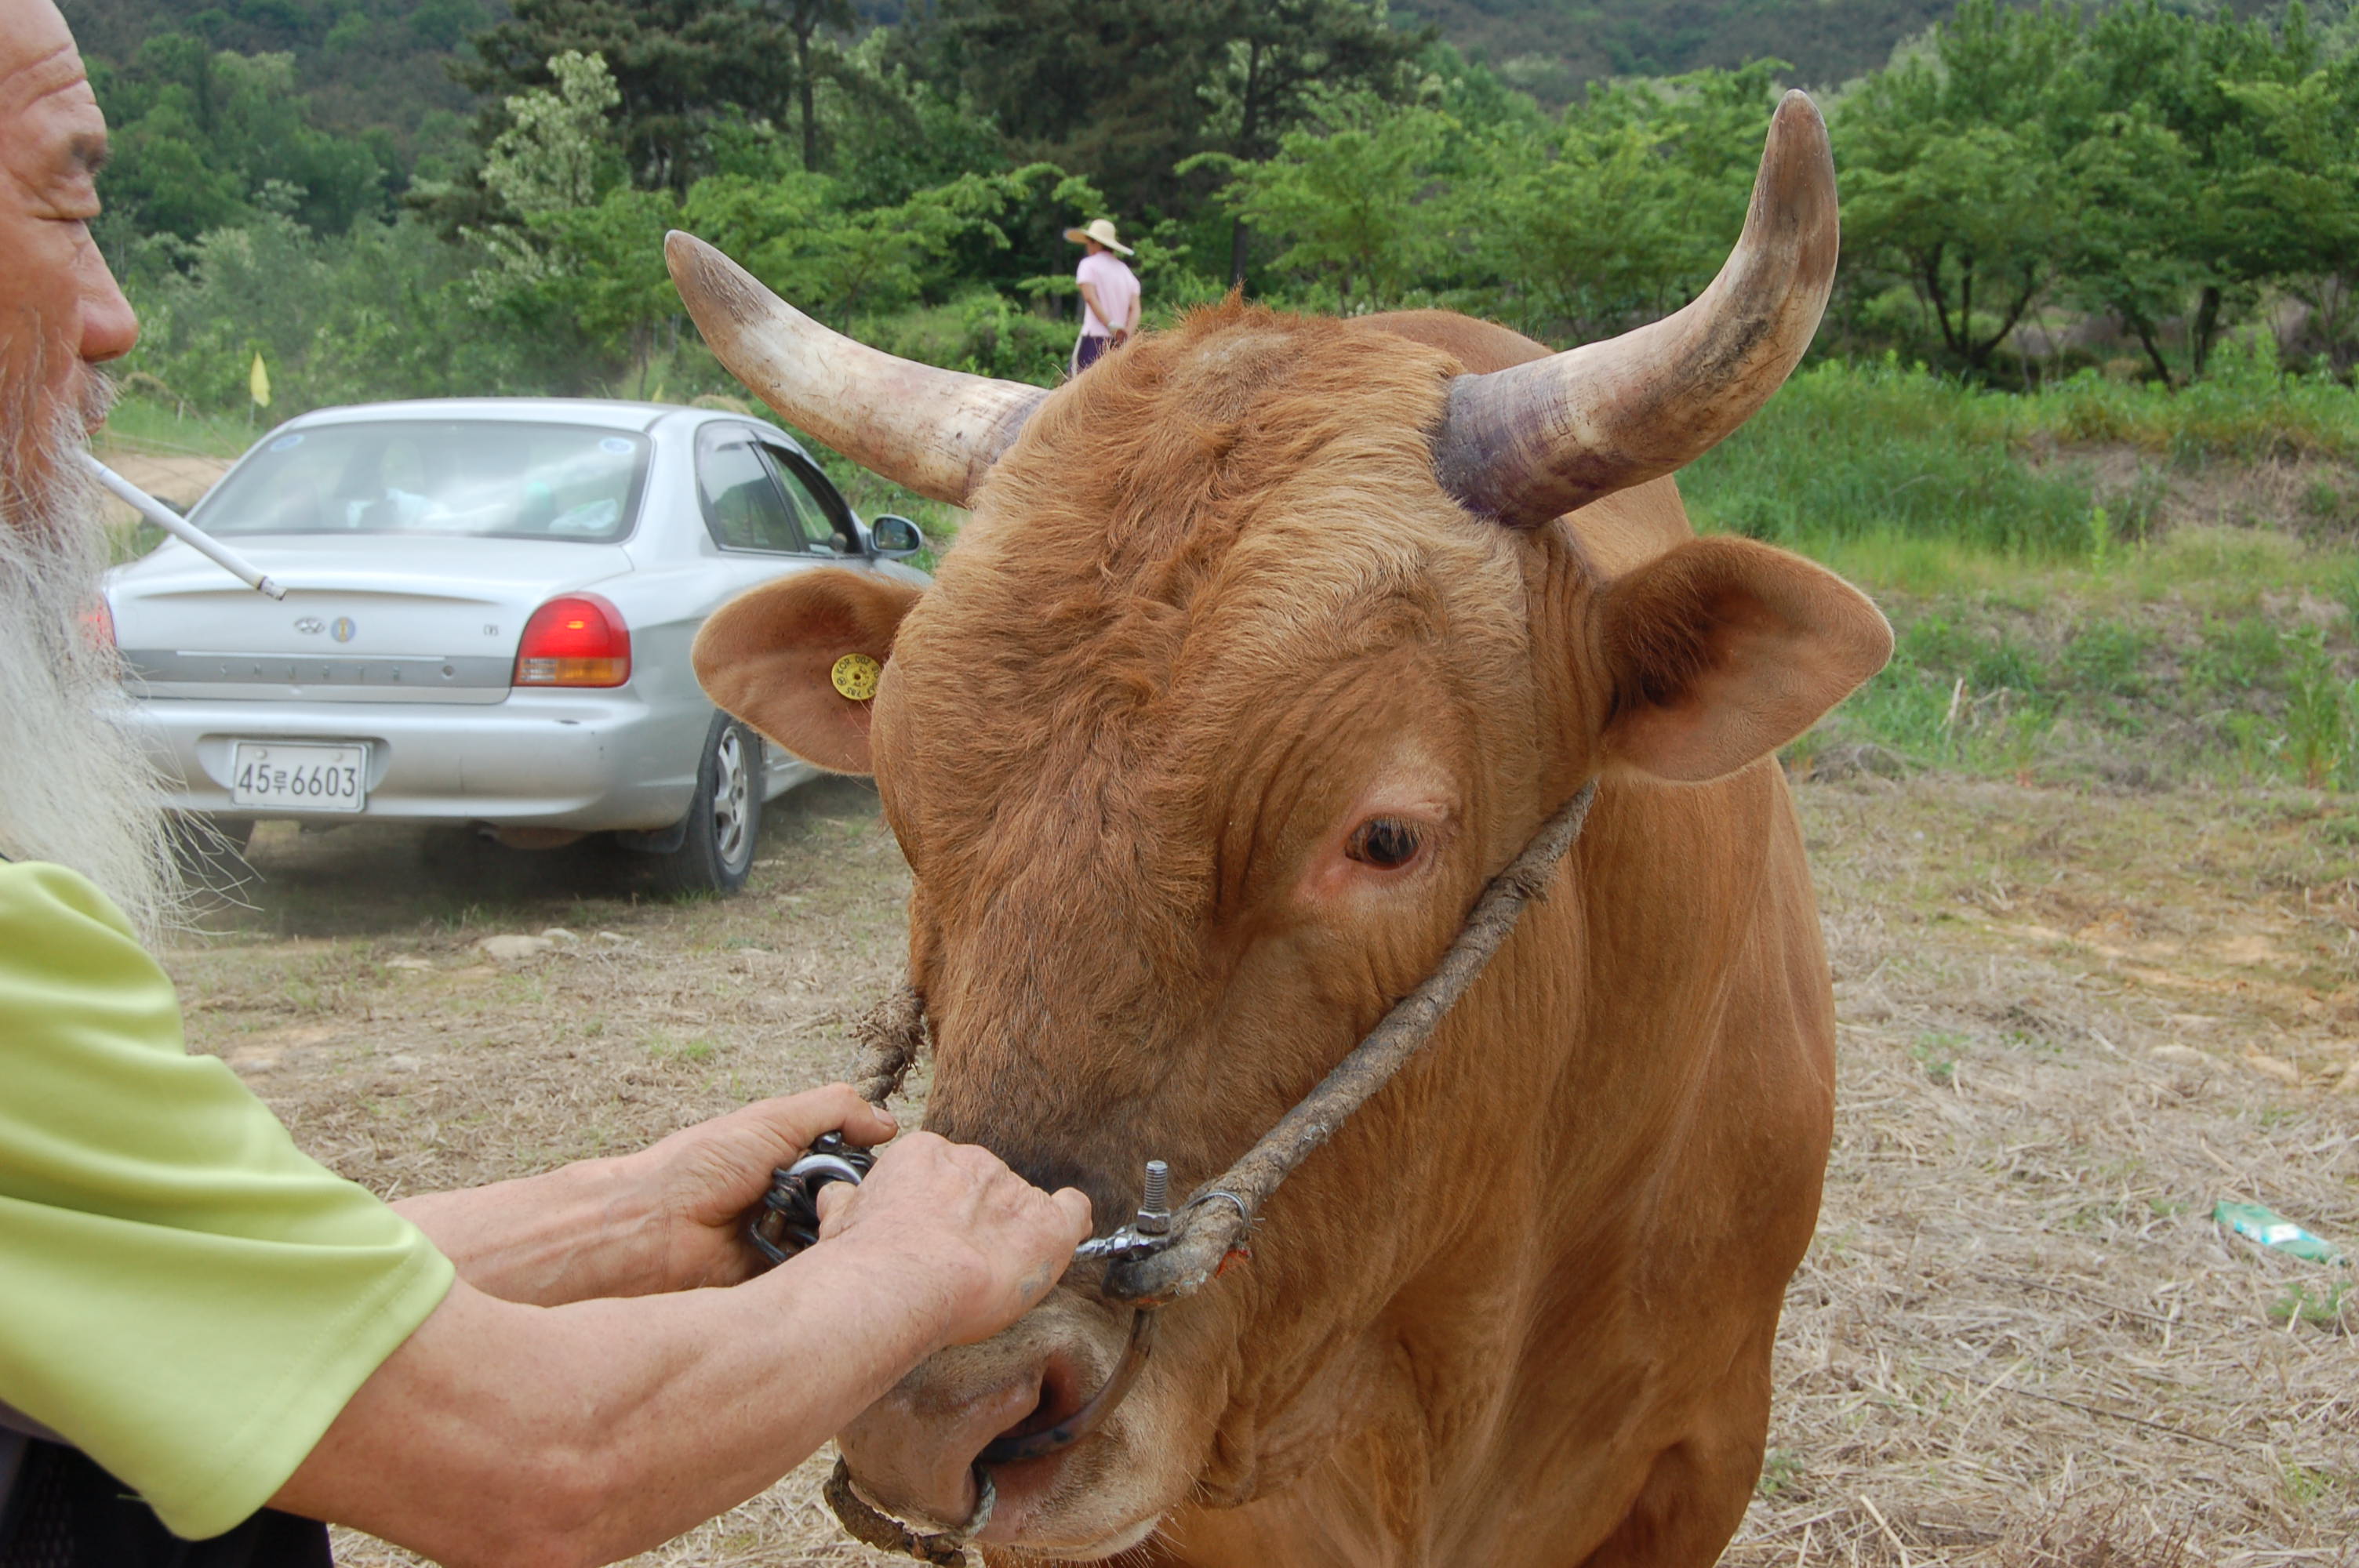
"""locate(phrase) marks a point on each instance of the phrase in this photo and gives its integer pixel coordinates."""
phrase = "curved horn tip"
(1797, 167)
(1798, 106)
(1798, 136)
(682, 248)
(686, 258)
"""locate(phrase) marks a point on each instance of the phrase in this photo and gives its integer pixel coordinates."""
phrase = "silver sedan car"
(489, 609)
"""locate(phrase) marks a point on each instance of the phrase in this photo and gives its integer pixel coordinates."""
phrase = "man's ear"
(769, 655)
(1722, 650)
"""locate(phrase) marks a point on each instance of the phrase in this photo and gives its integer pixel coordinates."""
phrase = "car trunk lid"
(360, 622)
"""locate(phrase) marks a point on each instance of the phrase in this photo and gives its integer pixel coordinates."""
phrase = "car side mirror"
(893, 537)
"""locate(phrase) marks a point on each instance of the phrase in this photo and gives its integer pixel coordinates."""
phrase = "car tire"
(725, 819)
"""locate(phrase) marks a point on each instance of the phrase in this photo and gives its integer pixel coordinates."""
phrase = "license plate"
(298, 778)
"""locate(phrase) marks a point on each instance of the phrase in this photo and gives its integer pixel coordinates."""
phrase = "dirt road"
(2071, 1025)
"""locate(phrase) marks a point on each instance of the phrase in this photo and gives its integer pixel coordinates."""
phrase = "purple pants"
(1089, 351)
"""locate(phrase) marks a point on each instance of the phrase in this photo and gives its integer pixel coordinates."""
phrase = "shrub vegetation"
(2080, 414)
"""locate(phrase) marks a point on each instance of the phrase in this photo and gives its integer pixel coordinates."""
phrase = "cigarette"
(178, 526)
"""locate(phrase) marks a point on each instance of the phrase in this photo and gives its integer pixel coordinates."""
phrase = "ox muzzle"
(1160, 1257)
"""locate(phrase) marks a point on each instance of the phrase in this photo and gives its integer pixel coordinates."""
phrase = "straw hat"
(1101, 231)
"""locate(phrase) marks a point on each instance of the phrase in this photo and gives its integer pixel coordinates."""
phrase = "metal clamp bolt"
(1154, 1204)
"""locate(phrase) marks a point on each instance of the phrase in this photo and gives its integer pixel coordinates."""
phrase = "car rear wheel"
(724, 820)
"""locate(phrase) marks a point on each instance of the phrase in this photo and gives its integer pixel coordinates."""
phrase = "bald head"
(61, 312)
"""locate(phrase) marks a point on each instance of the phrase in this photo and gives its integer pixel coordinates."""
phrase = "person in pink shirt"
(1109, 292)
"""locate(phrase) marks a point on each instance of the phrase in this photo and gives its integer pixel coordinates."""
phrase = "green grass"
(1921, 478)
(2243, 408)
(2073, 685)
(1913, 467)
(147, 422)
(2053, 619)
(2051, 622)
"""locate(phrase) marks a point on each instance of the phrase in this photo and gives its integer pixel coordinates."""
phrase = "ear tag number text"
(855, 676)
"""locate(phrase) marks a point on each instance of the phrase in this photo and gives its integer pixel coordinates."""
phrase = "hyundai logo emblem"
(310, 625)
(343, 630)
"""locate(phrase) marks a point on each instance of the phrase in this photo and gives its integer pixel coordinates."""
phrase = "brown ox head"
(1260, 652)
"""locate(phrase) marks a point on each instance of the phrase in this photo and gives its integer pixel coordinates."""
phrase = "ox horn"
(1530, 443)
(936, 431)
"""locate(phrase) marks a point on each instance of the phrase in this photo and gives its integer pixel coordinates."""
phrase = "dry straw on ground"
(2071, 1025)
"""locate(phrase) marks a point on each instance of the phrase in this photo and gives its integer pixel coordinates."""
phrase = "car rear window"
(493, 479)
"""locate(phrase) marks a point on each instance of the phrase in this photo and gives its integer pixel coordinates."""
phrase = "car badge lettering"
(855, 676)
(310, 625)
(343, 629)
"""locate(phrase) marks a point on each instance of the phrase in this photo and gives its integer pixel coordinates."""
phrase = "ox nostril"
(1062, 1394)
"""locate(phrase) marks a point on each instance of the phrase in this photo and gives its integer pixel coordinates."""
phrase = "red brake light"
(577, 639)
(98, 623)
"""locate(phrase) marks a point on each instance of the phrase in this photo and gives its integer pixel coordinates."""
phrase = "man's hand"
(702, 1180)
(663, 1219)
(995, 1242)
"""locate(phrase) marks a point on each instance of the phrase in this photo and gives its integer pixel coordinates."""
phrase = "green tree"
(1358, 204)
(801, 20)
(2300, 194)
(680, 68)
(893, 131)
(1274, 62)
(1641, 196)
(556, 151)
(346, 318)
(2265, 126)
(795, 234)
(1951, 160)
(206, 137)
(1123, 90)
(2124, 248)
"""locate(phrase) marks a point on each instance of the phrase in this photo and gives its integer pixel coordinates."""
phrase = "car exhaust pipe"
(179, 528)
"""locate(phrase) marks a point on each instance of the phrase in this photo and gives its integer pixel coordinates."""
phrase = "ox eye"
(1384, 842)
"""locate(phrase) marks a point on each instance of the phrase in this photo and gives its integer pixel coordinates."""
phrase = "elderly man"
(206, 1337)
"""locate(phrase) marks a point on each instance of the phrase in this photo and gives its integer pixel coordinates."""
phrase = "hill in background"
(368, 64)
(1549, 47)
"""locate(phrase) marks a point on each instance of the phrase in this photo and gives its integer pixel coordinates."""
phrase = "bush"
(2244, 408)
(383, 312)
(1852, 451)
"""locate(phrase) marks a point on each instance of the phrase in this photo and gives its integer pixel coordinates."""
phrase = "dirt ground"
(178, 479)
(2071, 1024)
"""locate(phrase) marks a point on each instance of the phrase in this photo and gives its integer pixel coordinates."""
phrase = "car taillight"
(98, 623)
(578, 640)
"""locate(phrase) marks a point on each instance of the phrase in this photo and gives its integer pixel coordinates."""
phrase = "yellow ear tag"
(855, 676)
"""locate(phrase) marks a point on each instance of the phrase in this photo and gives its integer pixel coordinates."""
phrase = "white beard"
(75, 787)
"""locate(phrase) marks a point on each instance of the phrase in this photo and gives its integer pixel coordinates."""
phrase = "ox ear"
(769, 655)
(1722, 650)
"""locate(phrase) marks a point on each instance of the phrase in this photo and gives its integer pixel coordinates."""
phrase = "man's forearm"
(516, 1435)
(583, 1230)
(839, 1326)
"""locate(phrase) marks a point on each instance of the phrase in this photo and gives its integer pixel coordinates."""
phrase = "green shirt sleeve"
(184, 1294)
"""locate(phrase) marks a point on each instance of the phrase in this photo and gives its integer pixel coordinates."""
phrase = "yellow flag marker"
(258, 381)
(855, 676)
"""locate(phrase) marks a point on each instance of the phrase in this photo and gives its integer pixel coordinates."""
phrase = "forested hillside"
(1549, 47)
(365, 64)
(2143, 214)
(381, 62)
